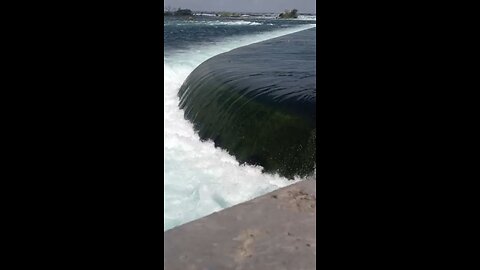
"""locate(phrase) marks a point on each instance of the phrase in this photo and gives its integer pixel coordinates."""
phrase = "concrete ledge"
(274, 231)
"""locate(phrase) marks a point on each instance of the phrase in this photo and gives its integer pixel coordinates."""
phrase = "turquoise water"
(184, 34)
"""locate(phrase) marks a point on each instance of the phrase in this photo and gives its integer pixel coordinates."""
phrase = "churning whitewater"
(199, 178)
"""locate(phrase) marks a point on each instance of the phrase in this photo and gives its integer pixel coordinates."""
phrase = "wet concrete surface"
(274, 231)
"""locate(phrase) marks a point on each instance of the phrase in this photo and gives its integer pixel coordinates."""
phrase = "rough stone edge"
(206, 244)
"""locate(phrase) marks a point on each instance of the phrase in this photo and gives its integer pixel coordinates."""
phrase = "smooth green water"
(259, 103)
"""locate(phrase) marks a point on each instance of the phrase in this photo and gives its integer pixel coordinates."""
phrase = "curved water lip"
(199, 178)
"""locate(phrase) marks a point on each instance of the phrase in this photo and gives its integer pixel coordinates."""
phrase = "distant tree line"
(293, 14)
(289, 14)
(179, 12)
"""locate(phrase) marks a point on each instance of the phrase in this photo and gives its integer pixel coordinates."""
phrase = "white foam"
(307, 17)
(233, 23)
(199, 178)
(205, 14)
(218, 23)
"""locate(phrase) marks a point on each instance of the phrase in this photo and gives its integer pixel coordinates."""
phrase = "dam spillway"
(258, 102)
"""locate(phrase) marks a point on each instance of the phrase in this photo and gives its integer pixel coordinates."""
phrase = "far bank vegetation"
(179, 12)
(289, 14)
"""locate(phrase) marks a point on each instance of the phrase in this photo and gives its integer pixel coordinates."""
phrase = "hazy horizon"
(260, 6)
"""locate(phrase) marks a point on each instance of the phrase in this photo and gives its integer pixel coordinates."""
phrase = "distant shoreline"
(241, 13)
(241, 17)
(229, 14)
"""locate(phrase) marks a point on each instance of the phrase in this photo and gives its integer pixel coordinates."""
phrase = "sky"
(277, 6)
